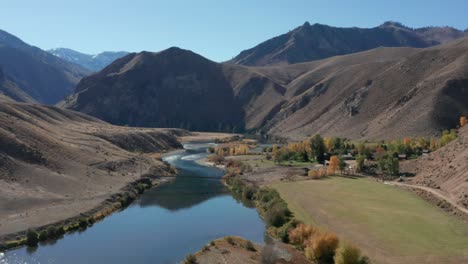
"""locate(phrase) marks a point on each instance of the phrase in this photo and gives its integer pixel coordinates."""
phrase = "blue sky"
(217, 30)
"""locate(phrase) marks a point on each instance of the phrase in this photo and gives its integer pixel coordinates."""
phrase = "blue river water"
(163, 226)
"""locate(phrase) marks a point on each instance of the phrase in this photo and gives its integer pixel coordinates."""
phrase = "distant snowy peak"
(92, 62)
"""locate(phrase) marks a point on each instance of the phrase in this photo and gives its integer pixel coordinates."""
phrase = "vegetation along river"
(162, 226)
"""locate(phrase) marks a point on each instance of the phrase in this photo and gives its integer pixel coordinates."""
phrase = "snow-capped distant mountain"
(92, 62)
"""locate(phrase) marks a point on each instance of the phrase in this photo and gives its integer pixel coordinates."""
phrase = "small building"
(402, 156)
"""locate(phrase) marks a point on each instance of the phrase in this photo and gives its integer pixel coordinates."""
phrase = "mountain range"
(369, 93)
(92, 63)
(29, 74)
(313, 42)
(380, 93)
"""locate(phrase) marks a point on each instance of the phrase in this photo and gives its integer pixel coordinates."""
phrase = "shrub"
(60, 231)
(230, 240)
(83, 223)
(278, 214)
(317, 174)
(301, 234)
(52, 232)
(248, 192)
(217, 159)
(321, 247)
(190, 259)
(283, 232)
(32, 238)
(349, 254)
(91, 220)
(249, 246)
(43, 236)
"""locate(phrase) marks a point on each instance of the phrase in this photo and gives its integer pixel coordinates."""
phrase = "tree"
(276, 154)
(463, 121)
(321, 248)
(342, 165)
(447, 136)
(32, 238)
(359, 163)
(334, 165)
(349, 254)
(328, 141)
(317, 148)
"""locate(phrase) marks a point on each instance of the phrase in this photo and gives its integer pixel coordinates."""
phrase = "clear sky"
(216, 29)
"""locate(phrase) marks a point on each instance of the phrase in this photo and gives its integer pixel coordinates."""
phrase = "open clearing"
(390, 224)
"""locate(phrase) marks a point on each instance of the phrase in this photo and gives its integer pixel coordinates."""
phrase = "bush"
(349, 254)
(60, 231)
(283, 232)
(230, 240)
(249, 246)
(301, 234)
(248, 192)
(217, 159)
(43, 236)
(31, 238)
(277, 215)
(321, 248)
(52, 232)
(190, 259)
(83, 223)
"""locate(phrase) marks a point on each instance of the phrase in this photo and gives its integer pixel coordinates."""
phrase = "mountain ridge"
(91, 62)
(367, 95)
(30, 70)
(317, 41)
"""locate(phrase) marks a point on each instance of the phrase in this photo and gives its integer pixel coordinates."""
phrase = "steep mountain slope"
(56, 163)
(11, 90)
(313, 42)
(445, 169)
(93, 63)
(418, 94)
(381, 93)
(172, 88)
(37, 73)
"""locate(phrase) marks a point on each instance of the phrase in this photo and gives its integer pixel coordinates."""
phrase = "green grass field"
(391, 225)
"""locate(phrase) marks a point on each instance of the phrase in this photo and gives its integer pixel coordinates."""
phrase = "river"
(163, 226)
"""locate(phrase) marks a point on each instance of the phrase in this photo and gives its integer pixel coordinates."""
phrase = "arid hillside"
(445, 169)
(314, 42)
(33, 75)
(380, 93)
(57, 163)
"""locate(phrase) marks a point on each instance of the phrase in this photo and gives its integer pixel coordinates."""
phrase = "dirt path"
(434, 192)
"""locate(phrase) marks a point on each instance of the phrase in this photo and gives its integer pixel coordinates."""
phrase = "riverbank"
(392, 216)
(99, 208)
(236, 250)
(112, 183)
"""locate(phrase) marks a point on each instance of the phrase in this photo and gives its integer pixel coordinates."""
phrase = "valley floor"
(390, 224)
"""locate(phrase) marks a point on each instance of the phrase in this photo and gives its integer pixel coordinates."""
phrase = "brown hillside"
(314, 42)
(34, 75)
(57, 163)
(445, 169)
(405, 92)
(380, 93)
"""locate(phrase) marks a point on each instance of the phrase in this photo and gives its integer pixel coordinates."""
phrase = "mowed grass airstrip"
(390, 224)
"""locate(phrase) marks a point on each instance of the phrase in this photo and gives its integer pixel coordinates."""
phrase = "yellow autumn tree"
(328, 141)
(321, 247)
(299, 235)
(334, 165)
(463, 121)
(407, 141)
